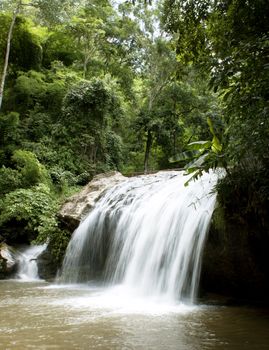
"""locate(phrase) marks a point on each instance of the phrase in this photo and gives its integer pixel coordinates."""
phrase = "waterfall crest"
(147, 234)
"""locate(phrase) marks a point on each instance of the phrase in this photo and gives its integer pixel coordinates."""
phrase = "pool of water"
(44, 316)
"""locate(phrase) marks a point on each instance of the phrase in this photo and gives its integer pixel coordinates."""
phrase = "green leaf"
(211, 127)
(216, 145)
(200, 145)
(187, 155)
(193, 177)
(197, 163)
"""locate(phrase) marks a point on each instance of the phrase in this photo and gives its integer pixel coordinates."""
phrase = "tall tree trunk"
(147, 152)
(4, 74)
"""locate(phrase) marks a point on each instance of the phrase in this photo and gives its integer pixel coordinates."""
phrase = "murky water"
(43, 316)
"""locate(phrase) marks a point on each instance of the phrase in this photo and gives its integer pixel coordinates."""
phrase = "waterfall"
(146, 234)
(27, 265)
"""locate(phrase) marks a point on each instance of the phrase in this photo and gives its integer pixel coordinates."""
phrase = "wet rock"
(8, 262)
(79, 205)
(3, 267)
(235, 260)
(47, 269)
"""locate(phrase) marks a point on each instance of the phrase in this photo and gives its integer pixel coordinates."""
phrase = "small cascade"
(27, 262)
(146, 234)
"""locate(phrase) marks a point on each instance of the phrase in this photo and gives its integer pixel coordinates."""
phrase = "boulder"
(8, 262)
(47, 269)
(235, 260)
(79, 205)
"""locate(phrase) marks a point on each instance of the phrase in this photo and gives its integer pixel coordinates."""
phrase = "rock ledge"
(79, 205)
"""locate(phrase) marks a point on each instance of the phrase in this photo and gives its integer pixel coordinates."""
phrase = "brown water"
(40, 316)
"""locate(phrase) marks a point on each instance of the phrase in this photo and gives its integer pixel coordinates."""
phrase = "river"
(38, 315)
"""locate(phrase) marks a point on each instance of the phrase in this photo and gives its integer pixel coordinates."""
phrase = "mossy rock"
(235, 259)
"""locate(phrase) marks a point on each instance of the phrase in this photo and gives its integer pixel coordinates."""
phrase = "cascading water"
(146, 234)
(27, 265)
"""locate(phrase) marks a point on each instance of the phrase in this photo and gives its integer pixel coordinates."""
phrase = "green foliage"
(244, 194)
(234, 53)
(114, 148)
(26, 51)
(59, 47)
(202, 155)
(30, 89)
(49, 11)
(91, 110)
(61, 179)
(37, 92)
(187, 20)
(88, 100)
(29, 215)
(10, 180)
(31, 170)
(27, 207)
(9, 124)
(229, 41)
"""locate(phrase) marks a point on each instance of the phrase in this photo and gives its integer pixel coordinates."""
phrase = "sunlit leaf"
(216, 145)
(200, 145)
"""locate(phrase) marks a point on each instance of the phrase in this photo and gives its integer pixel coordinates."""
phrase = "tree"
(229, 39)
(48, 9)
(90, 110)
(4, 74)
(159, 68)
(87, 28)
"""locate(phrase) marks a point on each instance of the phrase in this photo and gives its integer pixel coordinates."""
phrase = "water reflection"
(39, 316)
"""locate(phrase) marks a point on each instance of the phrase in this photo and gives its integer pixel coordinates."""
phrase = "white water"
(146, 234)
(27, 266)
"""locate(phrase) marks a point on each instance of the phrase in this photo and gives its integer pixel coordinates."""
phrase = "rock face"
(47, 269)
(235, 261)
(8, 262)
(79, 205)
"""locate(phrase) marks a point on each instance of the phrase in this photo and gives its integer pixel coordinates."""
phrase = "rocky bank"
(79, 205)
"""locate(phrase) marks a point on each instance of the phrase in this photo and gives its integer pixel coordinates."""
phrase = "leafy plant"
(31, 170)
(30, 215)
(10, 180)
(28, 206)
(202, 155)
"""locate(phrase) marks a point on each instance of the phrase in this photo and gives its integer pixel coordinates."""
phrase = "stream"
(38, 315)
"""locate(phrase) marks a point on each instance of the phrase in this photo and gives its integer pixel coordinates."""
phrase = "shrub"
(10, 180)
(29, 208)
(31, 170)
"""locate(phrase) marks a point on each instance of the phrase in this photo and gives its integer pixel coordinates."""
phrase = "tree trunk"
(147, 152)
(4, 74)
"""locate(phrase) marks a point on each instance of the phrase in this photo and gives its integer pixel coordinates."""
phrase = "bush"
(31, 170)
(61, 179)
(28, 209)
(244, 194)
(30, 215)
(10, 180)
